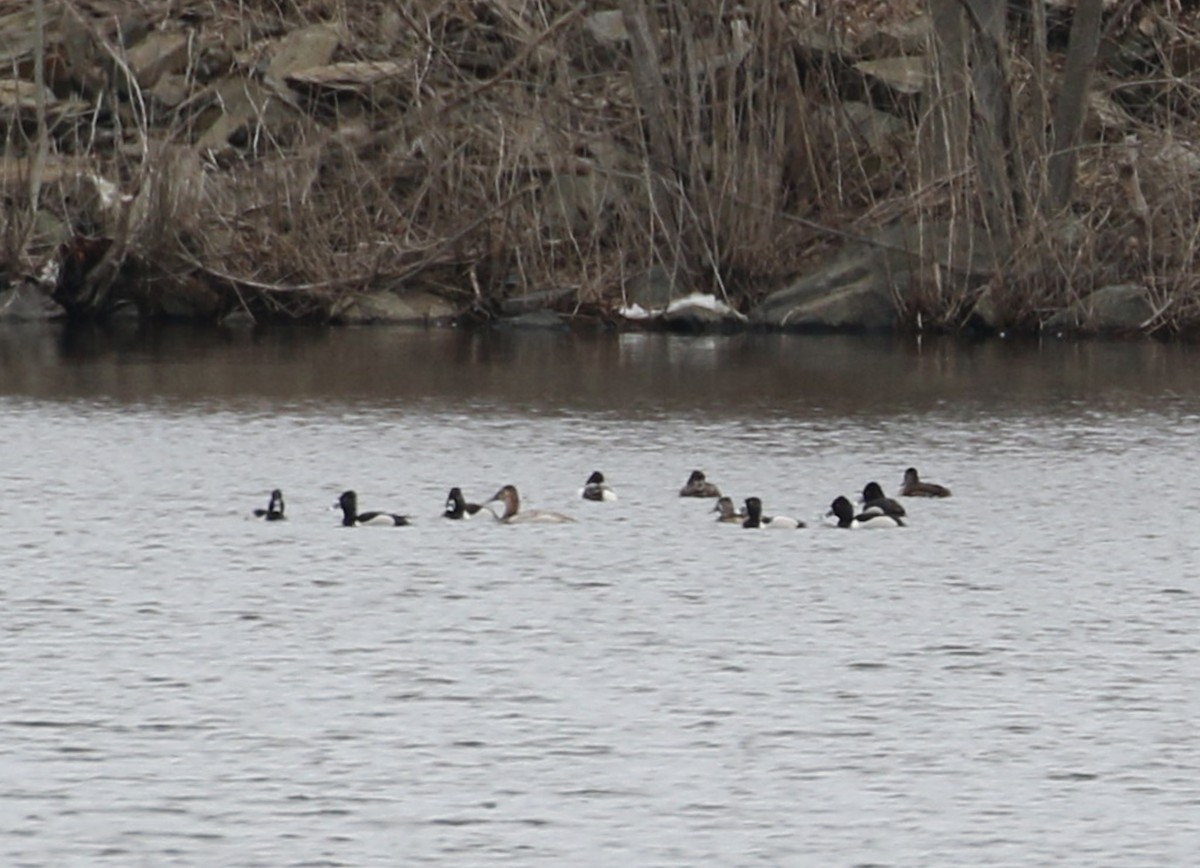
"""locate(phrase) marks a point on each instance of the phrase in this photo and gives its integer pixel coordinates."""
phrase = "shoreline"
(772, 168)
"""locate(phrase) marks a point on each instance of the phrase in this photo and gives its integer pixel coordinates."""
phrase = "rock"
(17, 95)
(697, 312)
(171, 90)
(855, 294)
(573, 202)
(701, 313)
(159, 53)
(49, 231)
(302, 49)
(986, 315)
(359, 76)
(652, 290)
(606, 27)
(539, 319)
(1111, 309)
(385, 307)
(18, 36)
(863, 288)
(25, 303)
(187, 298)
(239, 318)
(240, 103)
(876, 129)
(905, 75)
(895, 36)
(534, 301)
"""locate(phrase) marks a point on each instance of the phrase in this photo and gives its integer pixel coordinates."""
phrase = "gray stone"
(878, 130)
(906, 75)
(532, 301)
(700, 318)
(49, 231)
(239, 103)
(24, 303)
(160, 52)
(391, 308)
(18, 36)
(864, 287)
(538, 319)
(239, 318)
(854, 297)
(653, 289)
(606, 27)
(1120, 308)
(303, 49)
(898, 36)
(189, 299)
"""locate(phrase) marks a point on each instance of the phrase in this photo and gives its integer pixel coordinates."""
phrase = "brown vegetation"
(203, 156)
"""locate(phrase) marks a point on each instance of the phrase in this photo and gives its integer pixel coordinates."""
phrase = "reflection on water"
(1007, 681)
(646, 373)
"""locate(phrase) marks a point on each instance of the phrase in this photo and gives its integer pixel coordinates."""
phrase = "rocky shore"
(539, 165)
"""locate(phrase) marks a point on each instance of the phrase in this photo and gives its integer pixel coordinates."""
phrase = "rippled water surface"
(1011, 680)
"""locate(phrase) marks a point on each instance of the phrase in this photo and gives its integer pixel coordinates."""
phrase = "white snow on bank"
(696, 299)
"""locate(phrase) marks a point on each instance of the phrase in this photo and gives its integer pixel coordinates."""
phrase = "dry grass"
(506, 151)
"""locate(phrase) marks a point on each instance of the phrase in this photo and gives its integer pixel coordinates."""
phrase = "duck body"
(755, 518)
(458, 509)
(351, 517)
(874, 500)
(698, 486)
(274, 510)
(513, 514)
(843, 510)
(913, 486)
(728, 514)
(596, 489)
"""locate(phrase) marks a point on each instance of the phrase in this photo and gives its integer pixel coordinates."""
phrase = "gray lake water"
(1013, 679)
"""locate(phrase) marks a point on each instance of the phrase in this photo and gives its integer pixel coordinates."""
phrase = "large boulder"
(1111, 309)
(393, 308)
(24, 302)
(865, 287)
(696, 312)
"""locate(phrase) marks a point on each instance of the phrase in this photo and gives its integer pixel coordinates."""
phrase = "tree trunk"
(945, 133)
(1072, 100)
(664, 181)
(995, 142)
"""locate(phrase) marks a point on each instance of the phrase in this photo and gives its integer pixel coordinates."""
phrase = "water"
(1011, 680)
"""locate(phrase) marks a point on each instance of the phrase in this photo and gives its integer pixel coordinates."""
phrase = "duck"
(755, 518)
(727, 512)
(512, 509)
(698, 486)
(274, 510)
(844, 511)
(874, 500)
(596, 489)
(457, 507)
(351, 517)
(914, 487)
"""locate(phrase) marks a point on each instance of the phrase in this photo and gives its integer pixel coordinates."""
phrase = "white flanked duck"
(874, 500)
(843, 510)
(274, 510)
(755, 518)
(596, 489)
(351, 517)
(459, 509)
(513, 513)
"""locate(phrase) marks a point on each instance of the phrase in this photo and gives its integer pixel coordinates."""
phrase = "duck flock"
(874, 509)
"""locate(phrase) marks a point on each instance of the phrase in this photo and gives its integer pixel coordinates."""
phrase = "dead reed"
(281, 159)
